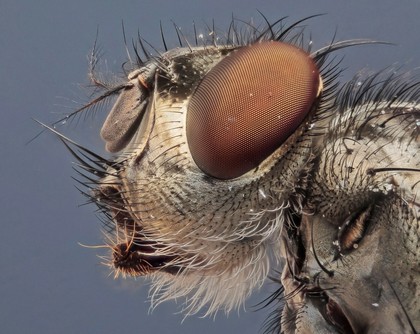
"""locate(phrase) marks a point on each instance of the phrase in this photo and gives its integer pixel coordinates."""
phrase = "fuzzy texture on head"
(335, 201)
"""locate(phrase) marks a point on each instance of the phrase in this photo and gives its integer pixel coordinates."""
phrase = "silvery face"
(243, 158)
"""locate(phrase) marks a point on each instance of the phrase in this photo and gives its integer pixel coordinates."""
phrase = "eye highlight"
(248, 105)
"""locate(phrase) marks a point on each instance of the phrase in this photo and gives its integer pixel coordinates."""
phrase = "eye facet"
(248, 105)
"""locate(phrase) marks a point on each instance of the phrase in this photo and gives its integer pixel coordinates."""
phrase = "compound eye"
(248, 105)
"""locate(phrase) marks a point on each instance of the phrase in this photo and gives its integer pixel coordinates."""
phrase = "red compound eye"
(248, 105)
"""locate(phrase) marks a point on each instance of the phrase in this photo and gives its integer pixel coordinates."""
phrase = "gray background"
(49, 283)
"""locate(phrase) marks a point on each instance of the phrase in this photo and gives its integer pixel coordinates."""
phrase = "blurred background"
(48, 282)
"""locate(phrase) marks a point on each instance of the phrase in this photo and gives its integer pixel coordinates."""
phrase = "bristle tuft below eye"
(248, 105)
